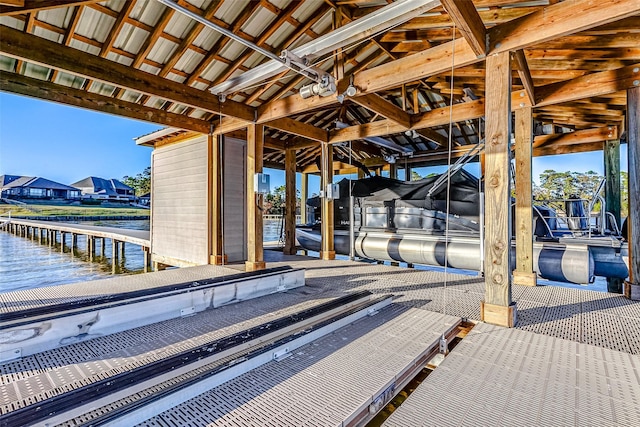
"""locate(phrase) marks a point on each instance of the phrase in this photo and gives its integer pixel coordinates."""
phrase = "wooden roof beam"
(298, 128)
(578, 137)
(467, 19)
(38, 50)
(590, 85)
(550, 22)
(34, 6)
(524, 73)
(386, 109)
(27, 86)
(434, 136)
(437, 117)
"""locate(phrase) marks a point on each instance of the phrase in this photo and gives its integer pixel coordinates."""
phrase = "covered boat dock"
(322, 87)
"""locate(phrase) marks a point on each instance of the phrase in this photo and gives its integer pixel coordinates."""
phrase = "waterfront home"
(30, 187)
(105, 189)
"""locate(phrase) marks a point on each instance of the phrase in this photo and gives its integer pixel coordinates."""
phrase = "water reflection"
(27, 264)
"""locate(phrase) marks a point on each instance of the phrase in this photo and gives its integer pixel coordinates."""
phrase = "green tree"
(415, 176)
(624, 194)
(141, 183)
(565, 185)
(274, 201)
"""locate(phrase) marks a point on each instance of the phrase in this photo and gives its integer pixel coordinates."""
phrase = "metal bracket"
(301, 65)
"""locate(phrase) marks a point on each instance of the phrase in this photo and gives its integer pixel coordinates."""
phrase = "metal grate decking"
(53, 372)
(595, 323)
(38, 297)
(508, 377)
(602, 319)
(323, 383)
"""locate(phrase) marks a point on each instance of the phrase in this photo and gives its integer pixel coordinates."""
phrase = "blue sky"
(67, 144)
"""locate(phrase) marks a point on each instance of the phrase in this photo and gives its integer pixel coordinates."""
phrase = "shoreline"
(83, 217)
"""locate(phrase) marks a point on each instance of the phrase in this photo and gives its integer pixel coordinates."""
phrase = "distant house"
(30, 187)
(105, 189)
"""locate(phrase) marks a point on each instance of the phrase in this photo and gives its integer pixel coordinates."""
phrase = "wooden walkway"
(137, 237)
(52, 232)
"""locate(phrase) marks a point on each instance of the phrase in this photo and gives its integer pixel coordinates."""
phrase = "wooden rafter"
(384, 108)
(466, 17)
(524, 73)
(578, 137)
(44, 52)
(34, 6)
(594, 84)
(295, 127)
(17, 83)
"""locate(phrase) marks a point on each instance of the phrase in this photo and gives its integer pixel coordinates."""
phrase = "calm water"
(26, 264)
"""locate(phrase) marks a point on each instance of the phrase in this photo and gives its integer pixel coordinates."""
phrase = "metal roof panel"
(229, 10)
(36, 71)
(307, 10)
(58, 17)
(6, 63)
(162, 50)
(213, 70)
(258, 22)
(147, 11)
(70, 80)
(130, 39)
(188, 61)
(121, 59)
(179, 25)
(281, 35)
(94, 24)
(207, 38)
(84, 47)
(48, 34)
(232, 50)
(12, 22)
(175, 77)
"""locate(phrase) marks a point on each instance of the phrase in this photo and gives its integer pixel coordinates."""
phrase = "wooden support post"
(91, 247)
(632, 285)
(216, 222)
(393, 171)
(145, 255)
(122, 257)
(74, 242)
(523, 274)
(102, 247)
(255, 250)
(304, 195)
(290, 200)
(611, 153)
(114, 256)
(327, 251)
(62, 241)
(497, 307)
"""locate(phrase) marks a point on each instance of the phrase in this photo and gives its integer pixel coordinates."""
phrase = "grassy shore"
(71, 210)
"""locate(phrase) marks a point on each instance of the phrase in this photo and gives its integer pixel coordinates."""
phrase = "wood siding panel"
(234, 190)
(179, 202)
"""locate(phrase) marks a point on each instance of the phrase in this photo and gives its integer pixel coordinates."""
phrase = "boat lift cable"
(443, 340)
